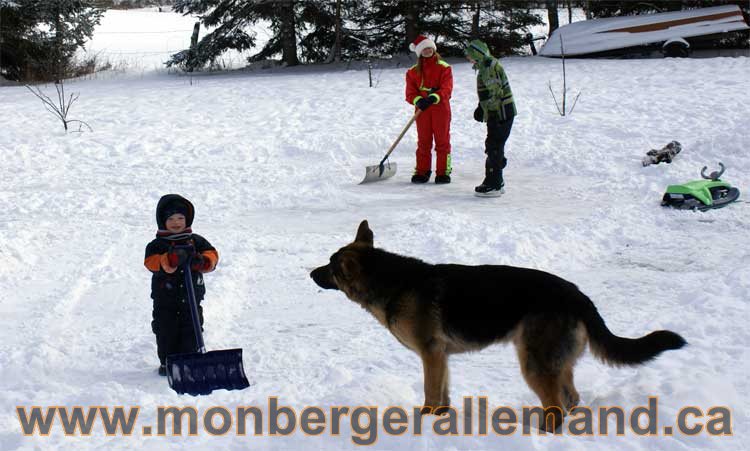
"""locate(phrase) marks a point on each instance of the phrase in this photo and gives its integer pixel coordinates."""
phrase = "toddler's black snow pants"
(173, 327)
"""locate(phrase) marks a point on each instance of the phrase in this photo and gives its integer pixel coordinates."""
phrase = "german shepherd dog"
(438, 310)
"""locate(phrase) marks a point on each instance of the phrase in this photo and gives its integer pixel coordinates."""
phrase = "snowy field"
(140, 41)
(271, 160)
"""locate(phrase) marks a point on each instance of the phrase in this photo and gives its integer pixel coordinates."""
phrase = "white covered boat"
(672, 32)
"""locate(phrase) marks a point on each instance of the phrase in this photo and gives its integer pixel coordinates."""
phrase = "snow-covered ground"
(271, 159)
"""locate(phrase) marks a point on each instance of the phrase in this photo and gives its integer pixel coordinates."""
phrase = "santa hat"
(421, 43)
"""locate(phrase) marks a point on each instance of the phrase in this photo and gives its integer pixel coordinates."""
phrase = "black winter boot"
(421, 178)
(492, 185)
(442, 179)
(162, 370)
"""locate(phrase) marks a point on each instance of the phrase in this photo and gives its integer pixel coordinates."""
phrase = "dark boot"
(492, 185)
(162, 370)
(442, 179)
(421, 178)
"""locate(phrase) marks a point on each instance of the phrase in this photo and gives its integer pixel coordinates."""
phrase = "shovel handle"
(401, 135)
(194, 317)
(192, 303)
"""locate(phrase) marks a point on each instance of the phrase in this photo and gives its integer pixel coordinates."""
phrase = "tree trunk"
(475, 20)
(193, 46)
(337, 45)
(570, 11)
(554, 23)
(288, 34)
(57, 52)
(411, 25)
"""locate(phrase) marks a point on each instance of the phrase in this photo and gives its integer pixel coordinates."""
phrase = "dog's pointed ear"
(364, 234)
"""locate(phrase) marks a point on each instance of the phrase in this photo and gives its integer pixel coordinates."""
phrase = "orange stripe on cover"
(673, 23)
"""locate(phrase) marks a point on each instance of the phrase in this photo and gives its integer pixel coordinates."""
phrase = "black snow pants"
(173, 327)
(494, 146)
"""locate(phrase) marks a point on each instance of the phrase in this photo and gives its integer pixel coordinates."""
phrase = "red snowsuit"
(436, 80)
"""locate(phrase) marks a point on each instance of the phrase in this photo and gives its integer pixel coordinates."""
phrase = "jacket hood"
(170, 202)
(477, 50)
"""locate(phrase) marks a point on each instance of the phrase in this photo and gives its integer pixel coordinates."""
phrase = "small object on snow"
(705, 194)
(199, 373)
(665, 154)
(385, 170)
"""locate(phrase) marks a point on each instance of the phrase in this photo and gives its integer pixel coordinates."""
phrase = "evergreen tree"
(284, 18)
(391, 25)
(288, 20)
(503, 25)
(15, 42)
(71, 24)
(230, 19)
(38, 38)
(324, 34)
(324, 30)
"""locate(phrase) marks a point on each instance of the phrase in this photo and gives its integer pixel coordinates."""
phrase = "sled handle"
(714, 175)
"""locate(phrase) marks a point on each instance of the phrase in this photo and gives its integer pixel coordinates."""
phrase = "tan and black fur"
(438, 310)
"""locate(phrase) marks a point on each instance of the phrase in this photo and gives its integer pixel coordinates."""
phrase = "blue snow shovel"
(201, 372)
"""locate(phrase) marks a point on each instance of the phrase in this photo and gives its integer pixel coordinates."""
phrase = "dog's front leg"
(435, 365)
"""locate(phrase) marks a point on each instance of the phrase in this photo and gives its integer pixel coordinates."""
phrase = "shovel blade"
(373, 174)
(200, 373)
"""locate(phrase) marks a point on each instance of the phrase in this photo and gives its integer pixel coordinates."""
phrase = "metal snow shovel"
(385, 170)
(201, 372)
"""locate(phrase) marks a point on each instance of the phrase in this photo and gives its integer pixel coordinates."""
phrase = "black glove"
(425, 103)
(479, 114)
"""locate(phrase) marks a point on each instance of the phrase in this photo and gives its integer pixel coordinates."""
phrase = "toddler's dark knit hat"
(173, 209)
(171, 204)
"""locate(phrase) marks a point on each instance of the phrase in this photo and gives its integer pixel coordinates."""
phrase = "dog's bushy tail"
(626, 351)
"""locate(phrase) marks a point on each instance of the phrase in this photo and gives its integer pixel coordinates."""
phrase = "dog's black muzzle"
(323, 277)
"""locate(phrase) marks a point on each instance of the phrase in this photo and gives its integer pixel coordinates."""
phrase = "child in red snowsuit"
(429, 84)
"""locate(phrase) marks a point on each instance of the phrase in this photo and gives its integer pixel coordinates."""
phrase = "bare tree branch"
(563, 111)
(63, 105)
(574, 102)
(555, 99)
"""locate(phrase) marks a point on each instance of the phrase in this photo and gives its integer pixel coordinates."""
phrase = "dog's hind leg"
(549, 388)
(435, 366)
(445, 399)
(571, 398)
(546, 348)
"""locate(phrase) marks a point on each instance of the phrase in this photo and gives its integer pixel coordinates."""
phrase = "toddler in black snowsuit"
(171, 315)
